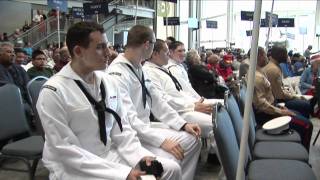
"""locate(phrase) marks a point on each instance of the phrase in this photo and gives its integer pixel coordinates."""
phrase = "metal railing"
(43, 30)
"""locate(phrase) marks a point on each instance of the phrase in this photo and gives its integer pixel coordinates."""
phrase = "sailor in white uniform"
(179, 142)
(175, 66)
(172, 92)
(87, 134)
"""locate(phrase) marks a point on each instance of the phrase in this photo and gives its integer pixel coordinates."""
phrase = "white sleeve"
(185, 83)
(168, 91)
(64, 147)
(145, 133)
(162, 111)
(128, 144)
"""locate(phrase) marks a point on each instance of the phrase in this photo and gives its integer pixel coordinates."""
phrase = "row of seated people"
(269, 92)
(77, 148)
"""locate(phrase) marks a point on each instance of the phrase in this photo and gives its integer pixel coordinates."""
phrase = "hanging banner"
(172, 21)
(193, 23)
(263, 23)
(212, 24)
(246, 15)
(62, 5)
(95, 8)
(173, 1)
(274, 19)
(303, 30)
(77, 12)
(286, 22)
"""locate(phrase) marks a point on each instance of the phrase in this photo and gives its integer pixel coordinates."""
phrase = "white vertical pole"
(317, 23)
(58, 29)
(269, 26)
(166, 6)
(135, 16)
(249, 93)
(228, 24)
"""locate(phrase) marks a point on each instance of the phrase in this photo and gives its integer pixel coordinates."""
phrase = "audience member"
(265, 103)
(62, 60)
(274, 75)
(204, 81)
(179, 142)
(79, 143)
(21, 57)
(188, 108)
(286, 68)
(39, 61)
(176, 67)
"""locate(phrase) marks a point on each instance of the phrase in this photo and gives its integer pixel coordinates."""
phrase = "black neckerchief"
(144, 89)
(174, 79)
(100, 107)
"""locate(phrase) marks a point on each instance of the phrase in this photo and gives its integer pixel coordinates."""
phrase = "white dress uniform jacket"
(178, 100)
(179, 72)
(73, 149)
(152, 138)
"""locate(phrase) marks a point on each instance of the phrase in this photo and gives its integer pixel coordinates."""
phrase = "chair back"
(226, 142)
(12, 115)
(34, 87)
(252, 125)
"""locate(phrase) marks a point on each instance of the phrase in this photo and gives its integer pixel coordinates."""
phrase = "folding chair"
(34, 86)
(13, 123)
(260, 135)
(265, 169)
(265, 149)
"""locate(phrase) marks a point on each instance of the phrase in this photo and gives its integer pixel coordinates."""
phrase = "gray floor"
(205, 171)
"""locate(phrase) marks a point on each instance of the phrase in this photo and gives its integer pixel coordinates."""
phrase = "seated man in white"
(180, 142)
(87, 134)
(172, 92)
(175, 66)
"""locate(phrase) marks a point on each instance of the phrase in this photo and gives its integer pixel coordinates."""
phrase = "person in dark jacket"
(204, 81)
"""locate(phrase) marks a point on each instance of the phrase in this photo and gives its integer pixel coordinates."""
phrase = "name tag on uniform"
(113, 102)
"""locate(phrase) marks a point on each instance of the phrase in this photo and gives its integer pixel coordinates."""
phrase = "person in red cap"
(224, 68)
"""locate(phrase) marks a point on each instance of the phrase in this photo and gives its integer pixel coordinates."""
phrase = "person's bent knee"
(171, 170)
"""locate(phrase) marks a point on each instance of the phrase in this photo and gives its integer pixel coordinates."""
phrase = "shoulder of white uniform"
(54, 83)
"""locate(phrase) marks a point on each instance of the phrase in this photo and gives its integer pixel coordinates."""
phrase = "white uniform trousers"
(190, 145)
(171, 169)
(204, 121)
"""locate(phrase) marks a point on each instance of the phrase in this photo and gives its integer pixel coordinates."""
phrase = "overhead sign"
(303, 30)
(61, 5)
(193, 23)
(263, 23)
(173, 1)
(212, 24)
(77, 12)
(172, 21)
(286, 22)
(249, 32)
(95, 8)
(246, 15)
(274, 19)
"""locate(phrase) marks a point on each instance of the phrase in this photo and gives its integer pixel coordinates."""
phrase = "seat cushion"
(276, 169)
(262, 136)
(280, 150)
(31, 146)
